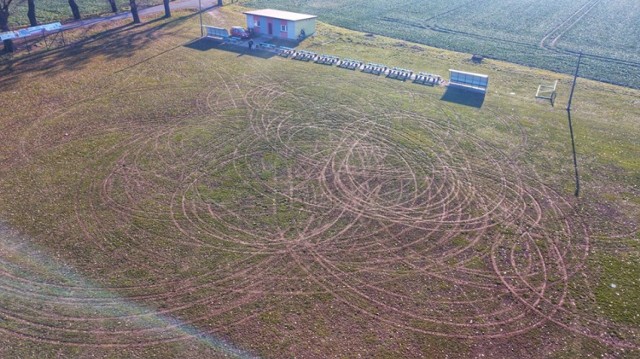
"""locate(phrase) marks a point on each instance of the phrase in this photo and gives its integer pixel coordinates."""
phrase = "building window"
(283, 28)
(256, 23)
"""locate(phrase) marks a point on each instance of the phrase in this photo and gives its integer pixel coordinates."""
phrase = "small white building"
(281, 24)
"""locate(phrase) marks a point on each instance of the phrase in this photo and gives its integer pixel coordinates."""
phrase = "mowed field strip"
(164, 196)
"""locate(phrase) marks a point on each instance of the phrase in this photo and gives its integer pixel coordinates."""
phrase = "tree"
(31, 12)
(74, 9)
(114, 8)
(4, 23)
(134, 11)
(167, 9)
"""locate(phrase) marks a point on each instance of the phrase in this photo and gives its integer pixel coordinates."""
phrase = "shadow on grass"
(121, 41)
(462, 97)
(241, 48)
(280, 42)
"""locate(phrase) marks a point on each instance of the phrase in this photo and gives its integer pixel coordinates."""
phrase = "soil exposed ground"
(249, 205)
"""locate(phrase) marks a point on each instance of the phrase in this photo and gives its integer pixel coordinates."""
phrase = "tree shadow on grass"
(241, 48)
(462, 97)
(121, 41)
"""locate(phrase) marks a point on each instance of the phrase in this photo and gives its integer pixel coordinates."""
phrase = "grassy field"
(167, 197)
(543, 34)
(608, 30)
(58, 10)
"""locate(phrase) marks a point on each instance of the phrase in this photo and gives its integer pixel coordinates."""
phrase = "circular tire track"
(408, 219)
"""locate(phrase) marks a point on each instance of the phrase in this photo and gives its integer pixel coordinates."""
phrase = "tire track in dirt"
(567, 24)
(411, 220)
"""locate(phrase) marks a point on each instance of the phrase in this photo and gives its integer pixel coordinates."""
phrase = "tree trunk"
(31, 12)
(134, 11)
(167, 9)
(4, 26)
(114, 8)
(74, 9)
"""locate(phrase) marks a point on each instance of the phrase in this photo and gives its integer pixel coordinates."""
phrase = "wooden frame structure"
(547, 92)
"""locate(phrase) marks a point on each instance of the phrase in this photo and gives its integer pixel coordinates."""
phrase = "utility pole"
(573, 142)
(200, 12)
